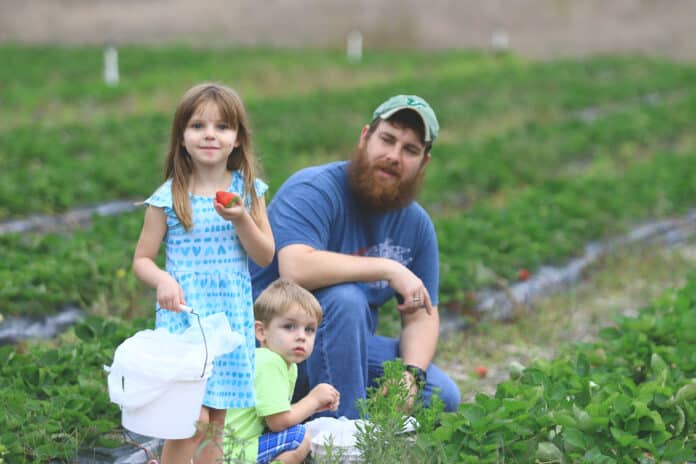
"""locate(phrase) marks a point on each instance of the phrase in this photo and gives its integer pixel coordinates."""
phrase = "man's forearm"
(317, 268)
(419, 338)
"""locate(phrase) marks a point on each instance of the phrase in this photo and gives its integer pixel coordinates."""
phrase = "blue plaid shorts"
(271, 444)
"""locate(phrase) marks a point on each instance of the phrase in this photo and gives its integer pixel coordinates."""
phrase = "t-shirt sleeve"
(269, 380)
(303, 213)
(426, 263)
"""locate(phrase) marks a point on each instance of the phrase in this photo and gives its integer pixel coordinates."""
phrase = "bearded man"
(352, 233)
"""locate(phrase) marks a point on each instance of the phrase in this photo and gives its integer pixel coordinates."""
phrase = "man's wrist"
(418, 374)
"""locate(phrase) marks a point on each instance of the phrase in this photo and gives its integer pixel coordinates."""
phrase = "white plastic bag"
(339, 433)
(148, 363)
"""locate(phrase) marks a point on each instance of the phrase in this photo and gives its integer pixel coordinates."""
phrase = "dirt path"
(537, 28)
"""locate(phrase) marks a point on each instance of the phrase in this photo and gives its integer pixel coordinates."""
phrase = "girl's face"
(208, 138)
(290, 335)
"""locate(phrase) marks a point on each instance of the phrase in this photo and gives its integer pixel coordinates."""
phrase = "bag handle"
(189, 310)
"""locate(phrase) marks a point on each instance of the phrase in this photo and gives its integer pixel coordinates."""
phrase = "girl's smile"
(209, 139)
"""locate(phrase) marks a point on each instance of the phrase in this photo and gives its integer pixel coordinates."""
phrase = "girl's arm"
(322, 398)
(255, 234)
(169, 293)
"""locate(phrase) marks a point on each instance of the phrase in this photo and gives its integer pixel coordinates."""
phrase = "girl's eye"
(196, 125)
(223, 126)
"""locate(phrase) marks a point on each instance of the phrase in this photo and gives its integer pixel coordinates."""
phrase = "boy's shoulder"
(265, 355)
(268, 360)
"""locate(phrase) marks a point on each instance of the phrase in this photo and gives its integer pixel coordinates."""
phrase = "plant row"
(627, 398)
(505, 123)
(541, 224)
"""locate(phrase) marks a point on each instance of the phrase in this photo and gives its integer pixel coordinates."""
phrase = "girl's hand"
(233, 213)
(169, 294)
(326, 396)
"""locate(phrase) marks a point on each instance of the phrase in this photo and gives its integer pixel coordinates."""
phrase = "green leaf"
(85, 331)
(622, 437)
(686, 393)
(582, 365)
(547, 452)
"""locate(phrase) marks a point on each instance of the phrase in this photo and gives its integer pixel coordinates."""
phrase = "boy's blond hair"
(280, 296)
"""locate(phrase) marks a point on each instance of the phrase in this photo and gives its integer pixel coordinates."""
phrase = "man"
(352, 233)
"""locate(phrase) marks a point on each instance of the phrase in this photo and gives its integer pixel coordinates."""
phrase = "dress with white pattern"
(211, 266)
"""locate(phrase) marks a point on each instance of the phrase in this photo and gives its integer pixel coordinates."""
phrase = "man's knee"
(447, 391)
(344, 304)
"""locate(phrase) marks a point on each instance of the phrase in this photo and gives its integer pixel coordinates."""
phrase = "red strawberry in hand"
(227, 199)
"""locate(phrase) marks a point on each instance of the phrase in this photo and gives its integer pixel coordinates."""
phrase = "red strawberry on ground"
(523, 274)
(227, 199)
(481, 371)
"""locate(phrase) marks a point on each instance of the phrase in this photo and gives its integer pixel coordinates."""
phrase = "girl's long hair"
(179, 165)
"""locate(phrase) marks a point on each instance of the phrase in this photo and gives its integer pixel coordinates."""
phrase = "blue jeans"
(349, 356)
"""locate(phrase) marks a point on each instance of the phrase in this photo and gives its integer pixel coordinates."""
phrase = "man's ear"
(363, 135)
(426, 160)
(260, 332)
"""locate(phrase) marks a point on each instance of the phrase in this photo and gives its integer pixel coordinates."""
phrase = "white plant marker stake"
(500, 41)
(354, 46)
(111, 65)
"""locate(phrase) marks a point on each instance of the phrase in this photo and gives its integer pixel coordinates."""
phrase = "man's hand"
(411, 288)
(409, 385)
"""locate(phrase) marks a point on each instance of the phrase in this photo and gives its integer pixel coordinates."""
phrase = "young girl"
(206, 246)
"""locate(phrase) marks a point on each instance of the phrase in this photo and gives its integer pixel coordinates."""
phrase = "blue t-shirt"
(315, 207)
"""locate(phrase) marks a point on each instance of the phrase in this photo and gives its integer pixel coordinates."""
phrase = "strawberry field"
(534, 160)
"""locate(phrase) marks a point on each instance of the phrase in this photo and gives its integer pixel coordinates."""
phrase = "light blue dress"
(211, 266)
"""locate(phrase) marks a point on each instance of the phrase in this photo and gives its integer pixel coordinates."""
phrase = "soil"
(534, 28)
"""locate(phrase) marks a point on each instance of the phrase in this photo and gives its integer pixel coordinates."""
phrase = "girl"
(206, 246)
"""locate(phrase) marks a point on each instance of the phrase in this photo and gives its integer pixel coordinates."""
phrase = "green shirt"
(274, 383)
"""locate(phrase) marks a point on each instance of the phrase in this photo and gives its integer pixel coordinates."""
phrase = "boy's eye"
(310, 330)
(289, 326)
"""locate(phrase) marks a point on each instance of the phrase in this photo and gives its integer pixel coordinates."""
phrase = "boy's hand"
(326, 397)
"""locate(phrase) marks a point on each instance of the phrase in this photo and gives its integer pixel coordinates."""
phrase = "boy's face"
(290, 335)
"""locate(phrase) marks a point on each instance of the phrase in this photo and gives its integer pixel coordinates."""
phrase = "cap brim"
(389, 113)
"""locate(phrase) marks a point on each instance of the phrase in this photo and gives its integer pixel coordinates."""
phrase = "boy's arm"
(322, 397)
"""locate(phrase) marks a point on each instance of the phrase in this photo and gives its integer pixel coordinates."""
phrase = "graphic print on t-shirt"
(387, 249)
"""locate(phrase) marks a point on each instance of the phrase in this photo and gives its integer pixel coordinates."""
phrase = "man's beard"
(379, 195)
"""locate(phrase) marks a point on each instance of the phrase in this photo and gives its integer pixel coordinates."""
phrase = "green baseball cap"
(414, 103)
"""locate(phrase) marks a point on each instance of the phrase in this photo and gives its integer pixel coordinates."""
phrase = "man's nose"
(394, 154)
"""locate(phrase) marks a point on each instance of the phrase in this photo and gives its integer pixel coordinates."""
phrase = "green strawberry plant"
(627, 398)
